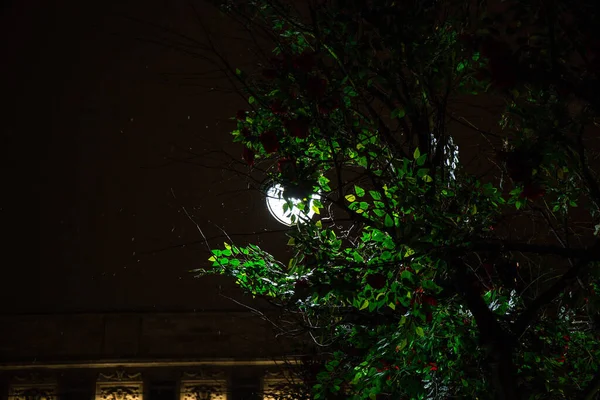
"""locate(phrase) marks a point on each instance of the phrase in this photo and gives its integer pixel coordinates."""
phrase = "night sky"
(92, 121)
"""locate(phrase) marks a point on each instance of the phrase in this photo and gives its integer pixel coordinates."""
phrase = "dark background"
(93, 118)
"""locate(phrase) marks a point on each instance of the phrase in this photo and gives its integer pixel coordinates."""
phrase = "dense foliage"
(420, 276)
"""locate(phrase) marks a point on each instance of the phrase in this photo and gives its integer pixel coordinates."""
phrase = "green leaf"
(402, 344)
(419, 331)
(406, 274)
(315, 209)
(398, 113)
(238, 72)
(389, 222)
(392, 306)
(251, 100)
(421, 160)
(364, 305)
(350, 197)
(379, 212)
(212, 258)
(360, 192)
(417, 153)
(364, 205)
(428, 178)
(421, 172)
(375, 194)
(519, 204)
(357, 257)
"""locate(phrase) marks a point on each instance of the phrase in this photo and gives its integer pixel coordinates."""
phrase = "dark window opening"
(246, 389)
(163, 390)
(76, 393)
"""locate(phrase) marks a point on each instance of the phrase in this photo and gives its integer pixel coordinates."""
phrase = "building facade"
(217, 355)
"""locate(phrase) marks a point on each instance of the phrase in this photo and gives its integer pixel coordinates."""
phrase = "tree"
(420, 276)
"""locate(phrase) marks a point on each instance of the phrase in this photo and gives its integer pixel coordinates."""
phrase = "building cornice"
(108, 364)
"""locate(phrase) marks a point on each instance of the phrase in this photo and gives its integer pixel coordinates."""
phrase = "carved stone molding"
(33, 392)
(203, 385)
(120, 375)
(278, 385)
(120, 385)
(33, 386)
(34, 377)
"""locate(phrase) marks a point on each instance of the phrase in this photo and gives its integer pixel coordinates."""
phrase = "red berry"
(376, 281)
(429, 317)
(277, 108)
(245, 132)
(269, 141)
(269, 73)
(287, 167)
(533, 191)
(430, 300)
(304, 62)
(297, 128)
(328, 106)
(248, 156)
(489, 268)
(316, 87)
(241, 115)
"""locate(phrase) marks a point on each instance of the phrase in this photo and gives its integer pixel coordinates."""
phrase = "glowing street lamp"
(276, 201)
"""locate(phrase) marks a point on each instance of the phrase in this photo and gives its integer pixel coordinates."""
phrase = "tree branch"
(550, 294)
(592, 389)
(591, 254)
(500, 344)
(592, 183)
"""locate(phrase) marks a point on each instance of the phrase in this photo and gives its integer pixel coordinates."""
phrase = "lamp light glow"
(276, 201)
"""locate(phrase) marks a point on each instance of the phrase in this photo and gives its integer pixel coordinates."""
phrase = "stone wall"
(38, 338)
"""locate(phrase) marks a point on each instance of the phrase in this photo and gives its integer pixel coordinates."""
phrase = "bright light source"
(276, 200)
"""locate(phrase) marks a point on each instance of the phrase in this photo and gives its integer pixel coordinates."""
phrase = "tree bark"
(493, 336)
